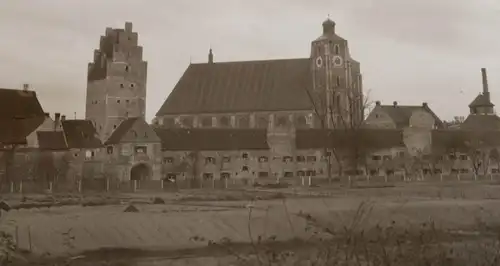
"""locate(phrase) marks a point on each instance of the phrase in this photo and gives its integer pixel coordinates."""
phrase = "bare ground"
(183, 226)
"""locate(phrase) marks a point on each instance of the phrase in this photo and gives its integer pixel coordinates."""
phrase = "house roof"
(51, 140)
(481, 100)
(268, 85)
(20, 115)
(452, 139)
(349, 139)
(81, 134)
(19, 104)
(121, 130)
(401, 114)
(481, 122)
(212, 139)
(15, 131)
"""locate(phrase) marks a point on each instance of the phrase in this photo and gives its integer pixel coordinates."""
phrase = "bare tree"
(341, 110)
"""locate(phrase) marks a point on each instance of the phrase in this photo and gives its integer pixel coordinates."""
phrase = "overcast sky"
(410, 51)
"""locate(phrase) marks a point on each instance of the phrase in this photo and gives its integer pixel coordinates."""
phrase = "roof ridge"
(250, 61)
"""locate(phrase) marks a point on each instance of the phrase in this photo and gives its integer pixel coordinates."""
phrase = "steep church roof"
(267, 85)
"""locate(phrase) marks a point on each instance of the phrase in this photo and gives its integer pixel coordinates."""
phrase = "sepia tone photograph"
(249, 133)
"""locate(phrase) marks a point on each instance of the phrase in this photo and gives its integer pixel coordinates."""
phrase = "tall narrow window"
(336, 49)
(338, 81)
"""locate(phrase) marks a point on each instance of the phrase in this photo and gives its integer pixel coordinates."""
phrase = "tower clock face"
(337, 61)
(319, 62)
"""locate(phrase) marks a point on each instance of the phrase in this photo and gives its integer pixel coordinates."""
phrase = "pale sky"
(410, 51)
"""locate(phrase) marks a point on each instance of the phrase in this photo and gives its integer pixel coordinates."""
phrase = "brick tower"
(337, 82)
(116, 81)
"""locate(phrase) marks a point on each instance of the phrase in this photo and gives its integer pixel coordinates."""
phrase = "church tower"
(116, 81)
(337, 81)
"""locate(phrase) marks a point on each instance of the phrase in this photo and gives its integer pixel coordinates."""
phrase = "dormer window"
(244, 156)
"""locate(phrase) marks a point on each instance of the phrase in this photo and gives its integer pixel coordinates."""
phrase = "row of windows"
(424, 157)
(242, 122)
(261, 159)
(261, 174)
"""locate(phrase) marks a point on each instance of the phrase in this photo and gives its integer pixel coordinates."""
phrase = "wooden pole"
(29, 239)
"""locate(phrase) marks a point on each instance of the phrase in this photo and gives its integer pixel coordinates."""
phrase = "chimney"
(485, 83)
(377, 103)
(395, 104)
(210, 56)
(424, 104)
(63, 118)
(56, 121)
(26, 87)
(47, 114)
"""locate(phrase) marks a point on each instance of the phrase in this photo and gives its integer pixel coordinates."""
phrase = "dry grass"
(353, 227)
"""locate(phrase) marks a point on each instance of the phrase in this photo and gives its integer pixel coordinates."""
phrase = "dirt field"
(187, 217)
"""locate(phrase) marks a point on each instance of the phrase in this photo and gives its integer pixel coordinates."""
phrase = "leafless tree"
(341, 110)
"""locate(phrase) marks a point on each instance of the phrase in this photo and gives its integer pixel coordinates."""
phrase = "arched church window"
(281, 121)
(206, 122)
(336, 49)
(262, 122)
(301, 121)
(244, 122)
(224, 121)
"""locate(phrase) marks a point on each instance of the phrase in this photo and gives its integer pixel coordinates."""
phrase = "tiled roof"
(481, 100)
(453, 139)
(481, 122)
(51, 140)
(401, 114)
(213, 139)
(269, 85)
(20, 114)
(15, 131)
(81, 134)
(19, 104)
(121, 130)
(349, 139)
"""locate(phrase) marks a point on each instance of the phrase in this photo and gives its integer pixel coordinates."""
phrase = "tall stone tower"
(116, 81)
(337, 81)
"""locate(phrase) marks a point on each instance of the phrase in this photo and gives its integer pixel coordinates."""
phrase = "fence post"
(458, 177)
(213, 182)
(135, 185)
(79, 186)
(441, 177)
(11, 186)
(475, 177)
(310, 181)
(50, 186)
(162, 184)
(302, 180)
(225, 182)
(21, 187)
(107, 184)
